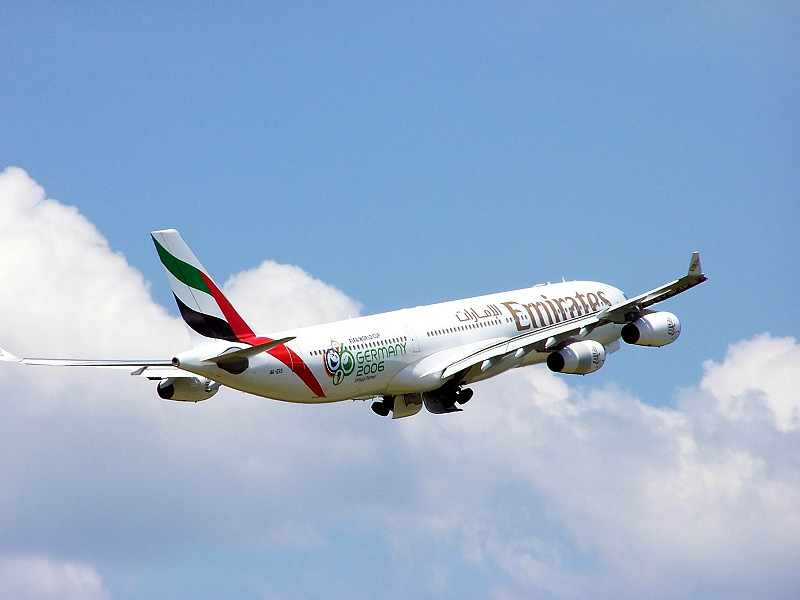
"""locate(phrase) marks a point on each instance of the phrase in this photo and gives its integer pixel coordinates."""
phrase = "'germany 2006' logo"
(339, 362)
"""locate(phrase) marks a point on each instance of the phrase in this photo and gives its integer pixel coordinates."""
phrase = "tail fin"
(206, 311)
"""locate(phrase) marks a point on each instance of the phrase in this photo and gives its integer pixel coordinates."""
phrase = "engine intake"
(187, 389)
(652, 329)
(579, 358)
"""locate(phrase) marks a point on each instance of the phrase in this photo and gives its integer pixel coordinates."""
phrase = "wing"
(153, 369)
(546, 338)
(539, 340)
(69, 362)
(620, 313)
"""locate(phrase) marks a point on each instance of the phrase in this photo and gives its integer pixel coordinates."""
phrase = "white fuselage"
(406, 351)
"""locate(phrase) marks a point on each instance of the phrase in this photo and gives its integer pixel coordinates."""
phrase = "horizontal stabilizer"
(226, 357)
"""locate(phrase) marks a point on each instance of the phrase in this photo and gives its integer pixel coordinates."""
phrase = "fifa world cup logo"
(339, 362)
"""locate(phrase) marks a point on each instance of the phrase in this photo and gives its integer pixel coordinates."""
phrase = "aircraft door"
(412, 338)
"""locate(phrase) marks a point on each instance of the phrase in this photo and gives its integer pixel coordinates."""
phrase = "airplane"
(401, 360)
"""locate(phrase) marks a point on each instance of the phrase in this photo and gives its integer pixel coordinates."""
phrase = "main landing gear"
(383, 407)
(438, 402)
(463, 396)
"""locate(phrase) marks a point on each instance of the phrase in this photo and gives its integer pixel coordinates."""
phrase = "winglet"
(8, 357)
(695, 270)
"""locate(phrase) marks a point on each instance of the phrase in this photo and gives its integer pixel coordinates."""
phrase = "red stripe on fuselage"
(292, 360)
(245, 335)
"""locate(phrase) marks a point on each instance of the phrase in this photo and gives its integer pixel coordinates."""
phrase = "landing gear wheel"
(464, 396)
(381, 408)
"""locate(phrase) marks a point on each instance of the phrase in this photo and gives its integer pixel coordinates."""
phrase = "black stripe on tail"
(206, 325)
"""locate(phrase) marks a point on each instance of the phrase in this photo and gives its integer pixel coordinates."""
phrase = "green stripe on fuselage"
(182, 271)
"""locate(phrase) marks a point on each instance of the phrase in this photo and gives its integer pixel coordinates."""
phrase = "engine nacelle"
(579, 358)
(187, 389)
(652, 329)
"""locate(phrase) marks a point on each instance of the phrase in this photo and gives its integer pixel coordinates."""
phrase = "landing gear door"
(406, 405)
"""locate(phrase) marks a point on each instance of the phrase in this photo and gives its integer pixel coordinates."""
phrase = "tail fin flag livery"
(202, 305)
(210, 316)
(402, 360)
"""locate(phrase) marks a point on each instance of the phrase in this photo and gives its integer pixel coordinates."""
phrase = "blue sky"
(407, 154)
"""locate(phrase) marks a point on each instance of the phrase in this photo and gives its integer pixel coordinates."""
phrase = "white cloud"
(63, 290)
(758, 376)
(538, 488)
(274, 296)
(45, 579)
(596, 494)
(81, 443)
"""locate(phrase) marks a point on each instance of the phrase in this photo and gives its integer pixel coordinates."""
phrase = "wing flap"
(160, 372)
(443, 359)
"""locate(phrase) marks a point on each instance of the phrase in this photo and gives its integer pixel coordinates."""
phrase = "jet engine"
(652, 329)
(579, 358)
(187, 389)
